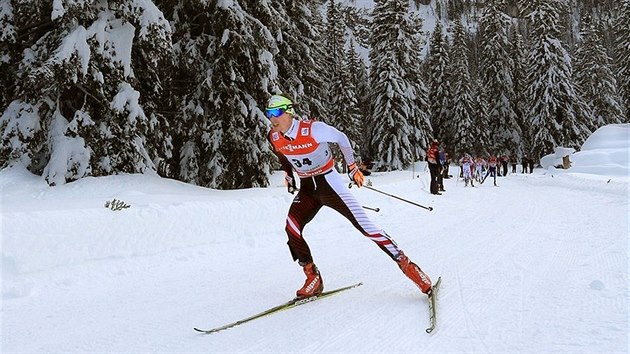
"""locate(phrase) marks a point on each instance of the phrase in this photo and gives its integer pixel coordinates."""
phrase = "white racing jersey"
(305, 145)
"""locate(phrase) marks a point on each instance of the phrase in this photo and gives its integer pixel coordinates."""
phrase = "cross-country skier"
(467, 164)
(303, 146)
(480, 164)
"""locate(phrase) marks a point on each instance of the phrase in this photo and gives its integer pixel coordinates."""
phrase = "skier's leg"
(335, 195)
(301, 212)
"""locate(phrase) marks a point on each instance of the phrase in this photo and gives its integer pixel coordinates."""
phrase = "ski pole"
(399, 198)
(396, 197)
(364, 207)
(373, 209)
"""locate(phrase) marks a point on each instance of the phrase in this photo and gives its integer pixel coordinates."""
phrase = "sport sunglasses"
(276, 112)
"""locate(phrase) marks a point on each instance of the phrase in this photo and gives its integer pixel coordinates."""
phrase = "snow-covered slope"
(538, 264)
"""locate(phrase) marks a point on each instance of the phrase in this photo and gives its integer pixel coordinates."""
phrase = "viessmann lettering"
(291, 147)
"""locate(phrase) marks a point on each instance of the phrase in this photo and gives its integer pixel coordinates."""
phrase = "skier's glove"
(290, 182)
(355, 174)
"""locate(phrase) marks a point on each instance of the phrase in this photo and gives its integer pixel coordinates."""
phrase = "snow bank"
(604, 153)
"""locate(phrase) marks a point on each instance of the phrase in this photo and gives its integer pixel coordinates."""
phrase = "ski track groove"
(470, 323)
(527, 310)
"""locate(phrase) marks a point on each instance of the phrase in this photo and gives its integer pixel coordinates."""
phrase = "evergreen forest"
(179, 87)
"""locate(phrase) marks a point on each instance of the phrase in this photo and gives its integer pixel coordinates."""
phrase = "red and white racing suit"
(304, 148)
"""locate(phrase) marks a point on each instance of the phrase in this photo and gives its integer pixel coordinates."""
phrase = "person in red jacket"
(434, 166)
(302, 146)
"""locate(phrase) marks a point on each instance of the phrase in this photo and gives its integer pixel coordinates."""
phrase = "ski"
(432, 305)
(287, 305)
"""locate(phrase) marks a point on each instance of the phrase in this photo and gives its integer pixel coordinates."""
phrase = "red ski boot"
(314, 284)
(413, 272)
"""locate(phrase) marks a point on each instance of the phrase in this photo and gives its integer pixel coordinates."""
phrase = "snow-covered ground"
(536, 265)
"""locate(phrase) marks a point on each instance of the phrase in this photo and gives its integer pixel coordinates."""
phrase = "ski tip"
(435, 286)
(437, 283)
(204, 331)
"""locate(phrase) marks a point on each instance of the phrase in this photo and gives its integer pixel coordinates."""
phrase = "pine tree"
(496, 75)
(360, 80)
(622, 53)
(483, 140)
(9, 56)
(558, 115)
(346, 107)
(190, 39)
(461, 123)
(343, 110)
(226, 71)
(594, 77)
(396, 127)
(422, 131)
(334, 43)
(77, 109)
(301, 59)
(439, 90)
(519, 56)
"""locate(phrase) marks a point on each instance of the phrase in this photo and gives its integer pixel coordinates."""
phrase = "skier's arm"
(323, 132)
(286, 167)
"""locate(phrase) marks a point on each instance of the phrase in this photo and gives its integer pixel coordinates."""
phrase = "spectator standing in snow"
(524, 163)
(447, 164)
(440, 177)
(504, 164)
(434, 167)
(530, 163)
(513, 162)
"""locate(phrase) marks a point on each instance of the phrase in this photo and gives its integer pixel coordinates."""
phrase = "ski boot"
(314, 285)
(413, 272)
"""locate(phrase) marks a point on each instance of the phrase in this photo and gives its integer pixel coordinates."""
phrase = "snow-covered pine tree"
(461, 121)
(342, 104)
(518, 53)
(437, 65)
(396, 136)
(190, 39)
(360, 79)
(595, 79)
(557, 113)
(496, 77)
(345, 112)
(154, 63)
(334, 44)
(483, 142)
(622, 53)
(301, 57)
(76, 110)
(420, 119)
(239, 71)
(9, 56)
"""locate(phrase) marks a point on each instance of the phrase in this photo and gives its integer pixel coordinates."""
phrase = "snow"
(605, 152)
(539, 264)
(128, 99)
